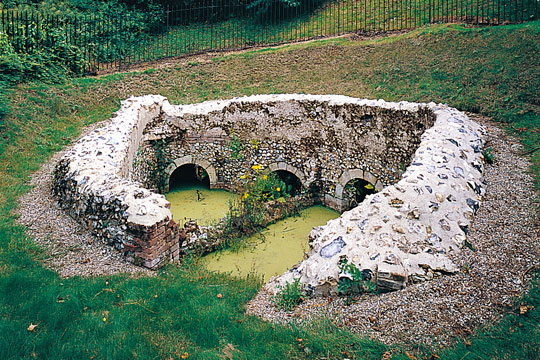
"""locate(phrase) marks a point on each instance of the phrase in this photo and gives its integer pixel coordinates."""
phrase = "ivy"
(161, 162)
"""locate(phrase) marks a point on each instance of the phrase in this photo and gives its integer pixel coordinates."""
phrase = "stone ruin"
(425, 161)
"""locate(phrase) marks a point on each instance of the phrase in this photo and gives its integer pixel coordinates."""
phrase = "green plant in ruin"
(289, 295)
(353, 280)
(248, 213)
(160, 163)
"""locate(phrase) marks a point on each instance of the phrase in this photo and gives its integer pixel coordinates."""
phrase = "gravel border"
(504, 234)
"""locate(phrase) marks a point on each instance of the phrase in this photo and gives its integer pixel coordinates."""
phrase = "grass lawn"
(328, 19)
(494, 71)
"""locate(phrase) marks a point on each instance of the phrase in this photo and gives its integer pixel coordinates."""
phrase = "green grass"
(329, 19)
(493, 71)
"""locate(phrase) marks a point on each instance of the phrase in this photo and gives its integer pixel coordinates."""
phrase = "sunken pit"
(423, 163)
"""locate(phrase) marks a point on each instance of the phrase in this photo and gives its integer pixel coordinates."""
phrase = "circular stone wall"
(424, 158)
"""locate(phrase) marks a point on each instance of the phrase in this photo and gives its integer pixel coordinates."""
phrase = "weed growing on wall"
(353, 280)
(250, 212)
(356, 191)
(236, 147)
(265, 187)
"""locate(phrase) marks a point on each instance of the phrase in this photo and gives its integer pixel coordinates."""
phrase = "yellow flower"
(243, 176)
(278, 189)
(185, 355)
(256, 167)
(265, 177)
(246, 195)
(104, 319)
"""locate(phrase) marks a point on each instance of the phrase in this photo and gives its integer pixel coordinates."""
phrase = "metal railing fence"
(109, 42)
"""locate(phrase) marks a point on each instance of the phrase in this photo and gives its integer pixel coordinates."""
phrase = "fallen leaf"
(386, 355)
(410, 356)
(31, 327)
(523, 309)
(184, 355)
(219, 296)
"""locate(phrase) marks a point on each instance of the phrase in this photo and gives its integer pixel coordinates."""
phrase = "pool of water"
(274, 251)
(280, 246)
(196, 202)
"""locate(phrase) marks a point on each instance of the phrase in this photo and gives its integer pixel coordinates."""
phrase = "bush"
(248, 213)
(104, 30)
(266, 188)
(49, 60)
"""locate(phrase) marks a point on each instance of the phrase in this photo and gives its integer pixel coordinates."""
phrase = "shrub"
(49, 59)
(266, 188)
(103, 30)
(248, 213)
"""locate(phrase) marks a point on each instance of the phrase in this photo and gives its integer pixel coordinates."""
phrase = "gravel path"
(504, 235)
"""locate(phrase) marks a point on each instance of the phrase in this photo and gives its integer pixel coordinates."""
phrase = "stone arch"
(351, 174)
(188, 159)
(284, 166)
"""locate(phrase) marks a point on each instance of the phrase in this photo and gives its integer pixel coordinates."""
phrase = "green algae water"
(281, 246)
(196, 202)
(274, 251)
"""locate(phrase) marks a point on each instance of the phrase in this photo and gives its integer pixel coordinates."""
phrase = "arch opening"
(189, 175)
(293, 184)
(355, 191)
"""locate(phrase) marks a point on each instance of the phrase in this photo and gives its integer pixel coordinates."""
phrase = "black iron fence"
(109, 42)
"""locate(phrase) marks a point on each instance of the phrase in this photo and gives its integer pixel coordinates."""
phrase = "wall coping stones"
(100, 162)
(405, 233)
